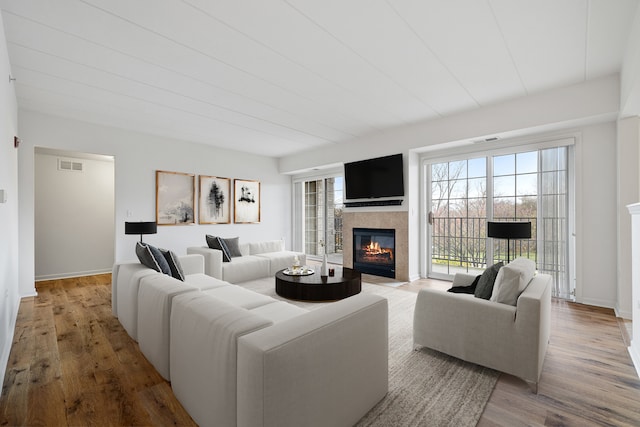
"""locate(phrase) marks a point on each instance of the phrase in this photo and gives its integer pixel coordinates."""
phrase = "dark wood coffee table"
(314, 287)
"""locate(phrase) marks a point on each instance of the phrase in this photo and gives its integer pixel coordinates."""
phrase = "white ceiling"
(276, 77)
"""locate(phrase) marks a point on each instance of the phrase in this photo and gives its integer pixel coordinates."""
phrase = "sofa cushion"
(151, 257)
(154, 311)
(203, 282)
(217, 243)
(246, 267)
(484, 288)
(278, 311)
(266, 247)
(239, 296)
(512, 279)
(174, 264)
(233, 245)
(281, 259)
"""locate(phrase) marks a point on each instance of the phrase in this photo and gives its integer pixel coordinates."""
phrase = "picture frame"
(175, 198)
(246, 201)
(214, 200)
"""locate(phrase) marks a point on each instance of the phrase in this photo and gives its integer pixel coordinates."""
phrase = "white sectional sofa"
(126, 278)
(259, 259)
(236, 357)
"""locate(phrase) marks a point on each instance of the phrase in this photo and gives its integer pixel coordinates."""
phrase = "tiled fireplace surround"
(397, 220)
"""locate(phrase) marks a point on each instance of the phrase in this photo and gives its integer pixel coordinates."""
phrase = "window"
(318, 213)
(528, 185)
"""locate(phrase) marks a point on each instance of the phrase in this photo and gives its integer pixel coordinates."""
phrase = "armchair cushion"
(484, 288)
(512, 279)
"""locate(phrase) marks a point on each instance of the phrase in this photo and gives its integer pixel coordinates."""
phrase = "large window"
(521, 186)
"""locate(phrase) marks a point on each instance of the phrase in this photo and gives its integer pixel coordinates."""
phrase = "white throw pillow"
(512, 279)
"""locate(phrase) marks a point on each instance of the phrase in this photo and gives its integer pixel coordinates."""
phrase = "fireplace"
(374, 251)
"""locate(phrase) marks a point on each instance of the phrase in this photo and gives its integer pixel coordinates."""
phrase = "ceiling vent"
(69, 165)
(489, 139)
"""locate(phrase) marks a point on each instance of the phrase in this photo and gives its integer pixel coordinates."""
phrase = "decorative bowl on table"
(299, 271)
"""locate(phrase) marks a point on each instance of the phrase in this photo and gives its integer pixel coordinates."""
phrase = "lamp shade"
(142, 227)
(509, 230)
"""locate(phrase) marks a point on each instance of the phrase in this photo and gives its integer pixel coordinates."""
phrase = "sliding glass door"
(520, 186)
(318, 212)
(458, 216)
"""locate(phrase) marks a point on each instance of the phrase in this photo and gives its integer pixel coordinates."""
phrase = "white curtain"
(552, 233)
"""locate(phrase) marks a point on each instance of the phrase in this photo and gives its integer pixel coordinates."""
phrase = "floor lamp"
(509, 230)
(142, 227)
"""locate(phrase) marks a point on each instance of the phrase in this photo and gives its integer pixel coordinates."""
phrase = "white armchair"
(510, 339)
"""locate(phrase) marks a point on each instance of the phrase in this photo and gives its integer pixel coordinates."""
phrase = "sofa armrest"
(212, 260)
(463, 279)
(303, 370)
(454, 323)
(533, 323)
(204, 332)
(192, 263)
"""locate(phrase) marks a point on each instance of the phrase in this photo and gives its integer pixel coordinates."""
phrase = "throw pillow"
(470, 289)
(512, 279)
(484, 288)
(233, 244)
(174, 264)
(151, 257)
(217, 243)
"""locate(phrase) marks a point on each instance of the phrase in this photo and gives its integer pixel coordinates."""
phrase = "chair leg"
(533, 386)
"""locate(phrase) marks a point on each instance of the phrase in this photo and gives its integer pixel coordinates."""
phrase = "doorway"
(74, 219)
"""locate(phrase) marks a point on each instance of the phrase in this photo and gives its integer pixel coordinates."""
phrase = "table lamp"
(509, 230)
(142, 227)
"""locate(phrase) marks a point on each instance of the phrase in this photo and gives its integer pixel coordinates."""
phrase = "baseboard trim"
(71, 275)
(597, 303)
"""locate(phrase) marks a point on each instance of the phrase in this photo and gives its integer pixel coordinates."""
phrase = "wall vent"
(70, 165)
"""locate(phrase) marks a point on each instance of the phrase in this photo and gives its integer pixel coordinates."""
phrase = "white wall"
(628, 192)
(596, 216)
(630, 74)
(9, 243)
(589, 109)
(590, 102)
(137, 157)
(74, 213)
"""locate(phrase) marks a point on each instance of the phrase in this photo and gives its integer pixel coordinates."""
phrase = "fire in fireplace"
(374, 251)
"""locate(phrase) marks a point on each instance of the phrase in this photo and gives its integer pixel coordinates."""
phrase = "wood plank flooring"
(72, 363)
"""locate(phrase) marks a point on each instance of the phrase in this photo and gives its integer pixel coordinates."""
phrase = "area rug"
(426, 388)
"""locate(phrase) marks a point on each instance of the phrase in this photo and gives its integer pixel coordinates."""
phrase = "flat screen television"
(373, 178)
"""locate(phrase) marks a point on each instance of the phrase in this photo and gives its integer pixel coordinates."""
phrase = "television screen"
(373, 178)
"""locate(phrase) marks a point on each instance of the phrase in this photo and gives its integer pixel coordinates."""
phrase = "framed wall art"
(247, 201)
(175, 198)
(215, 200)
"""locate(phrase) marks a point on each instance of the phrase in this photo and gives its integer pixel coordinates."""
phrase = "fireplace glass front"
(374, 251)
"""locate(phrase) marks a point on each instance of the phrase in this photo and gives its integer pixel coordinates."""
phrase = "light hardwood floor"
(73, 364)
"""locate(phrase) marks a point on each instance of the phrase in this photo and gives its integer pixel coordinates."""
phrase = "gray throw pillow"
(233, 245)
(217, 243)
(151, 257)
(174, 264)
(484, 288)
